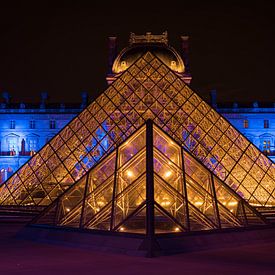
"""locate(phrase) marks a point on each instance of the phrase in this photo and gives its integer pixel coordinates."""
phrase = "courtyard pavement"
(28, 257)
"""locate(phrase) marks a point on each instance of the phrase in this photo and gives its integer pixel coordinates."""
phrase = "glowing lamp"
(232, 203)
(167, 174)
(100, 203)
(129, 174)
(198, 203)
(165, 202)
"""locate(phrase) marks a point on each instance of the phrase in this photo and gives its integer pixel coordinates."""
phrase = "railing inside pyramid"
(146, 90)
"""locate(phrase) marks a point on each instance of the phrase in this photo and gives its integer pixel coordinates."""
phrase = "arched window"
(32, 143)
(267, 143)
(12, 144)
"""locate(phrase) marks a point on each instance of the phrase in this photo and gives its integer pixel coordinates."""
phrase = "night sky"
(62, 49)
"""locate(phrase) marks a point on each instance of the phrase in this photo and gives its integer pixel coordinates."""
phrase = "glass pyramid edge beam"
(150, 200)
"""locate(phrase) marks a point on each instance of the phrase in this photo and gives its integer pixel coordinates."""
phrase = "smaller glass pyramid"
(150, 182)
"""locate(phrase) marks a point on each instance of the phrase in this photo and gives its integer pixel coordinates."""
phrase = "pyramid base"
(138, 245)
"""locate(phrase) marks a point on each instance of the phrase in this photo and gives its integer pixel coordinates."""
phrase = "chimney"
(112, 52)
(43, 98)
(7, 97)
(84, 99)
(185, 52)
(213, 98)
(255, 104)
(62, 107)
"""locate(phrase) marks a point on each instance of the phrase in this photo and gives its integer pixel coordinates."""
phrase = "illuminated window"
(33, 144)
(245, 123)
(3, 175)
(12, 146)
(173, 65)
(52, 124)
(32, 124)
(123, 65)
(266, 123)
(266, 147)
(12, 124)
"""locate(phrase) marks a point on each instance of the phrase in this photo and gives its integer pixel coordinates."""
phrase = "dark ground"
(27, 257)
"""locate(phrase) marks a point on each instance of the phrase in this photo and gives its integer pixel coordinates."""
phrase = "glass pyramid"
(150, 181)
(146, 90)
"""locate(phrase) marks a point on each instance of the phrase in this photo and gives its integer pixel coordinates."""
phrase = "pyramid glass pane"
(164, 223)
(128, 200)
(136, 223)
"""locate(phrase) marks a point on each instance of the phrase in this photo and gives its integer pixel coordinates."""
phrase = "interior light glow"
(167, 174)
(232, 203)
(198, 203)
(68, 209)
(177, 229)
(100, 203)
(121, 229)
(129, 173)
(256, 204)
(165, 202)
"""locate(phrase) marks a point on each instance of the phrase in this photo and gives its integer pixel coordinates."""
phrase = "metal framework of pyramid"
(146, 90)
(150, 184)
